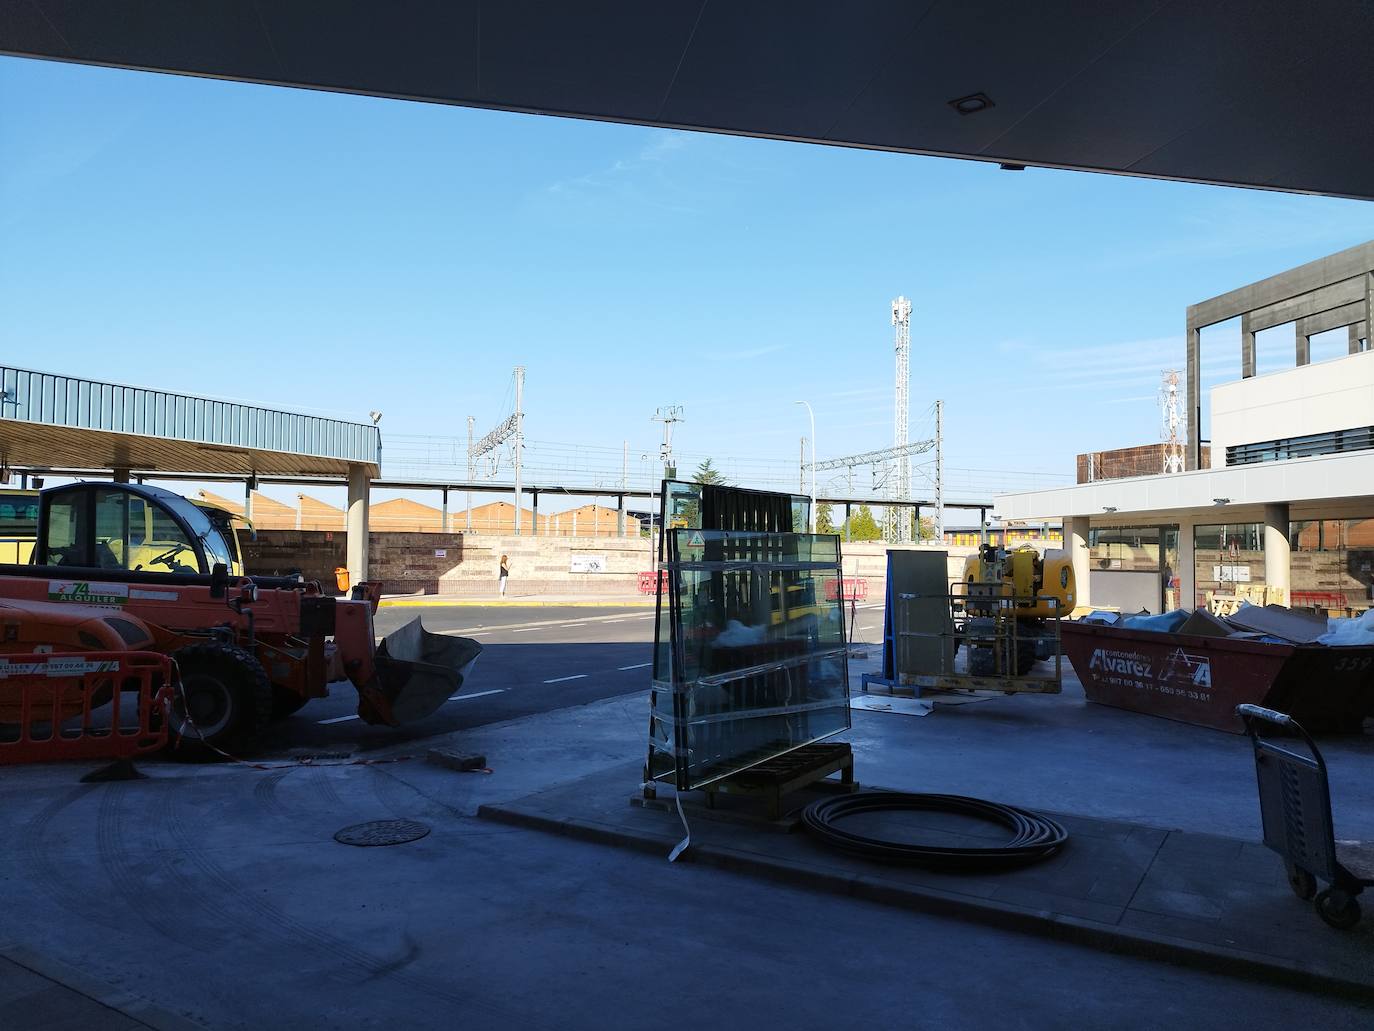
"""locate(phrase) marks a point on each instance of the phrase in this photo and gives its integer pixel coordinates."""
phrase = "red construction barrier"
(47, 703)
(1318, 599)
(648, 584)
(850, 590)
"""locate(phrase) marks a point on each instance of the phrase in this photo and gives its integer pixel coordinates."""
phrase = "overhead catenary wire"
(1033, 837)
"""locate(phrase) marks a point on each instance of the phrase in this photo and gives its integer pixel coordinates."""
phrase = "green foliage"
(825, 519)
(707, 473)
(927, 532)
(863, 527)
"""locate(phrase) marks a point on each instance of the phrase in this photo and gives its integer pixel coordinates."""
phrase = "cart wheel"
(1338, 908)
(1304, 885)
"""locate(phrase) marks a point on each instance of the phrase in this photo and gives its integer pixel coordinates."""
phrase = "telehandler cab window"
(67, 532)
(130, 533)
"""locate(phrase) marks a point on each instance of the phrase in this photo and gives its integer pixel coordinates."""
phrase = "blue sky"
(344, 254)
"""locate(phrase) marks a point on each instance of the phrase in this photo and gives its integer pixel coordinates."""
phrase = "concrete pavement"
(232, 905)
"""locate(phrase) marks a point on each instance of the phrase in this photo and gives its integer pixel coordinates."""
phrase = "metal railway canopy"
(1230, 92)
(454, 486)
(50, 421)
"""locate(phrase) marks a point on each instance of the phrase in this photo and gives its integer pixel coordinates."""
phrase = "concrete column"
(1193, 459)
(1352, 339)
(359, 484)
(249, 485)
(1076, 543)
(1247, 348)
(1277, 549)
(1303, 346)
(620, 516)
(443, 508)
(534, 495)
(121, 476)
(1187, 566)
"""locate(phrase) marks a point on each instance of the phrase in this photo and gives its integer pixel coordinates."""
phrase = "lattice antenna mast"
(898, 519)
(510, 430)
(668, 415)
(1171, 411)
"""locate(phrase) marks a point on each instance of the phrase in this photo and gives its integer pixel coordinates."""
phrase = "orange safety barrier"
(650, 584)
(73, 705)
(852, 590)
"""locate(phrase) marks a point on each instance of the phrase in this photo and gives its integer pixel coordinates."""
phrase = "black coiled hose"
(1033, 837)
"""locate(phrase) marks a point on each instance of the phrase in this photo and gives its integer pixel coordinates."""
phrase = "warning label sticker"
(83, 592)
(65, 667)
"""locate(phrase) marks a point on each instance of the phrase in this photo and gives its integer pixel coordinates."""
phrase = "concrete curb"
(1103, 937)
(435, 601)
(119, 1000)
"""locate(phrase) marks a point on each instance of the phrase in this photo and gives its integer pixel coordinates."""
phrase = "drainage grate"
(381, 832)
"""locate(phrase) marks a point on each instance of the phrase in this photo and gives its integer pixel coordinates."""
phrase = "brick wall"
(1122, 463)
(409, 563)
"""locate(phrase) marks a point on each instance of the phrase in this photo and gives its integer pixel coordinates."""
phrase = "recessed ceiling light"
(972, 104)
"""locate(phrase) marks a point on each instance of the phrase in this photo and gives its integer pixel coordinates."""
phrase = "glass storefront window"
(1227, 554)
(1131, 549)
(1332, 565)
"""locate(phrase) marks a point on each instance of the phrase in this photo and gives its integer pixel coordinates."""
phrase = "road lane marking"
(566, 625)
(337, 719)
(559, 680)
(642, 665)
(524, 629)
(475, 694)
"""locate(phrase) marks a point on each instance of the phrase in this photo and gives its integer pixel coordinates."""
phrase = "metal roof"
(52, 421)
(1228, 91)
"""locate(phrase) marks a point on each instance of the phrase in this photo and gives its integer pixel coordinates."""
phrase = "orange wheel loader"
(120, 566)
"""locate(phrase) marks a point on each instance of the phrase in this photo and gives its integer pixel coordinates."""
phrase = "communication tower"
(1171, 409)
(899, 518)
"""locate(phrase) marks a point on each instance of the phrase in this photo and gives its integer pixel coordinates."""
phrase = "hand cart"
(1295, 806)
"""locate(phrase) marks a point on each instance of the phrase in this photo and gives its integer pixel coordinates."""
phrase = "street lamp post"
(813, 462)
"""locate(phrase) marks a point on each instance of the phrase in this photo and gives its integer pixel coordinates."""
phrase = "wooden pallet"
(778, 777)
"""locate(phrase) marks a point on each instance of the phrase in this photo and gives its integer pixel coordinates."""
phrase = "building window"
(1359, 439)
(1227, 554)
(1130, 549)
(1332, 565)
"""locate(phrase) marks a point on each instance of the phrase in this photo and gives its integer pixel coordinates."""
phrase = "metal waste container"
(1201, 680)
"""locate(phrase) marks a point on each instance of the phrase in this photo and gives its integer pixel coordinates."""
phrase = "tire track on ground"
(265, 794)
(258, 918)
(35, 859)
(132, 883)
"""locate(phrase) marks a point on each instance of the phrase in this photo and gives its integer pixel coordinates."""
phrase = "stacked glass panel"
(751, 659)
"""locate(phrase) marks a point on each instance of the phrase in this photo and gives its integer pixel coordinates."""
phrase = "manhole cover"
(381, 832)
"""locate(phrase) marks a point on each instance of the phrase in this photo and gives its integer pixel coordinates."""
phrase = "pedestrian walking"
(504, 574)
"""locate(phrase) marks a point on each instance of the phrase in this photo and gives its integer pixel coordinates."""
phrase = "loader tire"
(229, 699)
(285, 702)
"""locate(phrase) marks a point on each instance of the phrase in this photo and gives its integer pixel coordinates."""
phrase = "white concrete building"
(1288, 499)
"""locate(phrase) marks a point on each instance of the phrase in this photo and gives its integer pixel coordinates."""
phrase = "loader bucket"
(417, 672)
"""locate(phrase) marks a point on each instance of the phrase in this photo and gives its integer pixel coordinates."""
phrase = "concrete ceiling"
(1262, 93)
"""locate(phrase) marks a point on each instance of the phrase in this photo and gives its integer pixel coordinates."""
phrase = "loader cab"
(125, 526)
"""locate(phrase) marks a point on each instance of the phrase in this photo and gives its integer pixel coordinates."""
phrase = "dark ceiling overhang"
(1271, 95)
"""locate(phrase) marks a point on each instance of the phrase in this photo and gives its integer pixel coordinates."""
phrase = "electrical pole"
(939, 472)
(624, 485)
(519, 437)
(472, 470)
(898, 523)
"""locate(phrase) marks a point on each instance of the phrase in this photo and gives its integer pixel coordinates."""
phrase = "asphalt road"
(533, 659)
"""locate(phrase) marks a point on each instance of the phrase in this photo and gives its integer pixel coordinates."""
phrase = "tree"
(825, 519)
(863, 527)
(927, 530)
(707, 473)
